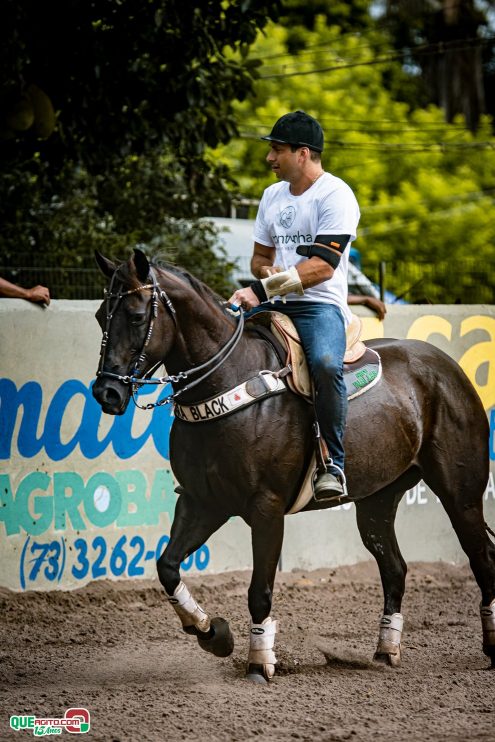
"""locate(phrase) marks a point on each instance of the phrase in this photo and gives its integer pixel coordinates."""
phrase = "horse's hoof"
(489, 651)
(491, 655)
(255, 675)
(255, 678)
(385, 658)
(221, 644)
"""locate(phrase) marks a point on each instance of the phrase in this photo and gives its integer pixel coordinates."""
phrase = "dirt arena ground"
(117, 650)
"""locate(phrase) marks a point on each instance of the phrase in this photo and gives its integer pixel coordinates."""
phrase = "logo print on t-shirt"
(287, 217)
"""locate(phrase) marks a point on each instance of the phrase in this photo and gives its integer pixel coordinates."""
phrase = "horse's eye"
(138, 319)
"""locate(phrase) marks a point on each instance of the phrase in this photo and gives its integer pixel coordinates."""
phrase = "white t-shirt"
(285, 221)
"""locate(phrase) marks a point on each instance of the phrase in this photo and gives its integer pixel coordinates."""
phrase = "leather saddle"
(282, 327)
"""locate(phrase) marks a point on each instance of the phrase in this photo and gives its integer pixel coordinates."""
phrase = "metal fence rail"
(64, 283)
(455, 282)
(466, 282)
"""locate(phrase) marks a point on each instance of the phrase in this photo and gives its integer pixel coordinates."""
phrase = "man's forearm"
(11, 290)
(259, 266)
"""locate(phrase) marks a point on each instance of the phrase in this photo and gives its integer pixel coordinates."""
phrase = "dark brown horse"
(427, 419)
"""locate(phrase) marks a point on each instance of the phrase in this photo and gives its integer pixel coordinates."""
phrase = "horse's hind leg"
(375, 519)
(192, 526)
(461, 494)
(455, 464)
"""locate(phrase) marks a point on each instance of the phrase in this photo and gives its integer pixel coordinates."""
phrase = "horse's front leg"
(267, 529)
(192, 526)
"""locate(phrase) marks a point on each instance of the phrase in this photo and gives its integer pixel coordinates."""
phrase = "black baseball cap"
(299, 129)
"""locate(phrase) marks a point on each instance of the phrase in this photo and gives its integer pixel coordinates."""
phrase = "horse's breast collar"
(264, 384)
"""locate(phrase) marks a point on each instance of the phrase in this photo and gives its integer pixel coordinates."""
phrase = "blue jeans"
(322, 331)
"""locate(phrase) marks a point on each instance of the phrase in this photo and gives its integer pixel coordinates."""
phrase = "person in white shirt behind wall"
(302, 235)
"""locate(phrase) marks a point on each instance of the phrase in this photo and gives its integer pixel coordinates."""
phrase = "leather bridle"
(113, 299)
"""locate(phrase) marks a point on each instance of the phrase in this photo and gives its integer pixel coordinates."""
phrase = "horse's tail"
(489, 529)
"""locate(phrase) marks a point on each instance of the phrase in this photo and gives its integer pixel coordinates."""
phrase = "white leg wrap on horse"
(488, 623)
(390, 634)
(261, 641)
(189, 612)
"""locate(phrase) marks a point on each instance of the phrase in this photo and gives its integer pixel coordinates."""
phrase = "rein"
(136, 381)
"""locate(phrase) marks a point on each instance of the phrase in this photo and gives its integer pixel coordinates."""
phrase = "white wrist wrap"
(189, 612)
(390, 633)
(285, 282)
(488, 623)
(261, 641)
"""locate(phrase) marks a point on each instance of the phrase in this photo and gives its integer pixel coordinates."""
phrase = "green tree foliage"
(426, 188)
(349, 16)
(51, 238)
(453, 44)
(106, 109)
(127, 76)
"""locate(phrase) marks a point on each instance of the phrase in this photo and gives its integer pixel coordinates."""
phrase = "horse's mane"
(128, 275)
(196, 284)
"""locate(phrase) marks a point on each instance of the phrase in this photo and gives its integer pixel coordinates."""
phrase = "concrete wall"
(85, 496)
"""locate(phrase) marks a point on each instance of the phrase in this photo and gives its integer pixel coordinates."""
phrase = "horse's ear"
(142, 265)
(106, 266)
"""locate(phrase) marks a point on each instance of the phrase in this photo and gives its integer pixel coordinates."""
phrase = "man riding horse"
(430, 420)
(304, 227)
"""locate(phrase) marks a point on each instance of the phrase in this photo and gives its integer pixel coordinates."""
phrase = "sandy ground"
(117, 650)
